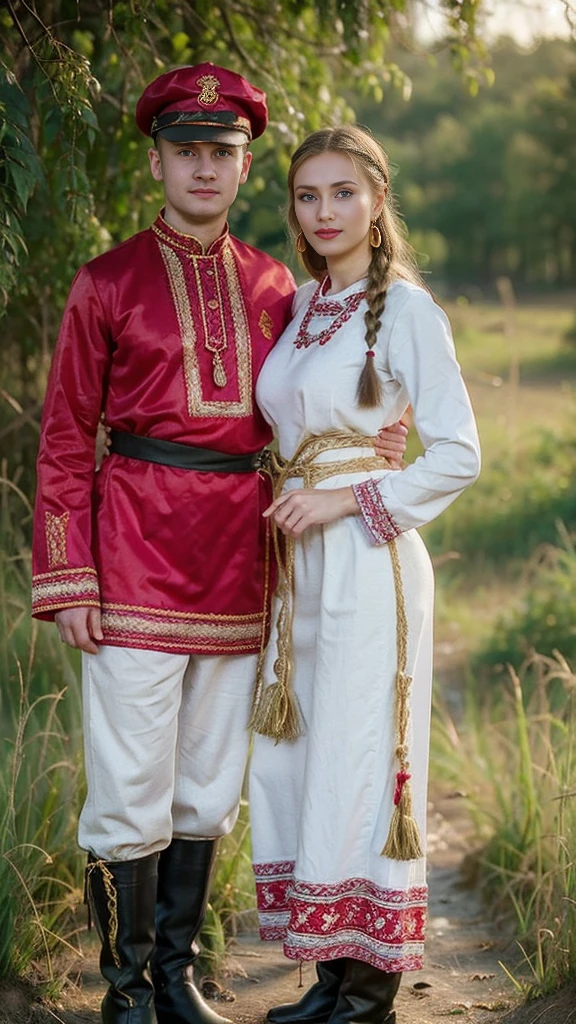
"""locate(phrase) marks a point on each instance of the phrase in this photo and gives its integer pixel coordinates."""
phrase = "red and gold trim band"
(65, 588)
(181, 632)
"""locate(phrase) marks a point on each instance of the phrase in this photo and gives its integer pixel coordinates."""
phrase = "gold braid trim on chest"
(275, 711)
(236, 332)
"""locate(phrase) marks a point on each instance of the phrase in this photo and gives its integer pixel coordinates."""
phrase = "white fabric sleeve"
(422, 358)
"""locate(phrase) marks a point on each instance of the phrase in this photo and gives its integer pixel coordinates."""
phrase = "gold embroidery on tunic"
(241, 329)
(197, 404)
(85, 570)
(215, 345)
(56, 527)
(80, 585)
(210, 85)
(266, 323)
(183, 246)
(174, 627)
(192, 616)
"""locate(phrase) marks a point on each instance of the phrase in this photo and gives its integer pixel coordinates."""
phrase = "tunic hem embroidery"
(181, 632)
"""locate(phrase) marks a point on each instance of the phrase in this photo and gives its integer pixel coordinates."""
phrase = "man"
(157, 567)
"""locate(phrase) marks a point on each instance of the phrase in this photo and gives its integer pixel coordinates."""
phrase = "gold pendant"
(218, 371)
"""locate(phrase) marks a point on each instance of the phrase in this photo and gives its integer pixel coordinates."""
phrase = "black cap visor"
(202, 133)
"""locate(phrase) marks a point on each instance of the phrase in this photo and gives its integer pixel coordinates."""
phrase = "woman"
(338, 811)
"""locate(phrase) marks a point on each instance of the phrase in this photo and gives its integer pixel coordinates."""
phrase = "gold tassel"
(218, 371)
(278, 714)
(403, 841)
(275, 710)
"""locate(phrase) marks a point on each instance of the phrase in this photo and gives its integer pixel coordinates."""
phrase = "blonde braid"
(369, 391)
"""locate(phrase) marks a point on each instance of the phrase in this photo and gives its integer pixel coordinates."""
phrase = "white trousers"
(165, 745)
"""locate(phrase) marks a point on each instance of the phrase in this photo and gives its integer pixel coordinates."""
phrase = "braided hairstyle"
(393, 259)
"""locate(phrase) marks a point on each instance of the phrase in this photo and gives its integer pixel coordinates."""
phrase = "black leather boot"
(122, 897)
(366, 995)
(183, 884)
(318, 1002)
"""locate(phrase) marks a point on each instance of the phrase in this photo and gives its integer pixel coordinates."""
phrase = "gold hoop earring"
(301, 243)
(375, 236)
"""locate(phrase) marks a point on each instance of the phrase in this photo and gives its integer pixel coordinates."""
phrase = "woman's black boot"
(122, 897)
(183, 884)
(318, 1002)
(366, 995)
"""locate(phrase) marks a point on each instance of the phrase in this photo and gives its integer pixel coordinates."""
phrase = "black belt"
(183, 456)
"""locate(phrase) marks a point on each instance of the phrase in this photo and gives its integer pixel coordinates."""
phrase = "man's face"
(200, 179)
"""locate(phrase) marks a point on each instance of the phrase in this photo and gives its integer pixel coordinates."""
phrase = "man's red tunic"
(168, 341)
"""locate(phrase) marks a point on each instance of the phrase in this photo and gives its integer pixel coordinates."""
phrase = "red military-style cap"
(202, 103)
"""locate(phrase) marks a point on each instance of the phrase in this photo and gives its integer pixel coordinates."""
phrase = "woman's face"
(335, 204)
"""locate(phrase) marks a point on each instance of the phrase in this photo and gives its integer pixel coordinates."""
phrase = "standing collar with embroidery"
(188, 243)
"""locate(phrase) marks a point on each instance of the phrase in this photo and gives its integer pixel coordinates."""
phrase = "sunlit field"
(506, 629)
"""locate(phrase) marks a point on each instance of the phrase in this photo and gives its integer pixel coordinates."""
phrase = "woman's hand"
(390, 443)
(294, 511)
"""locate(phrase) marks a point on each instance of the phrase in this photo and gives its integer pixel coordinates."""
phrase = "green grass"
(518, 756)
(502, 575)
(42, 788)
(527, 426)
(508, 591)
(40, 782)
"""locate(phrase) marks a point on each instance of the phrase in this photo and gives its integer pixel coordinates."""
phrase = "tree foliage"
(71, 72)
(488, 184)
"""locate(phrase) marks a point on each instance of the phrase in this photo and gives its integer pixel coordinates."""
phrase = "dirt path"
(461, 977)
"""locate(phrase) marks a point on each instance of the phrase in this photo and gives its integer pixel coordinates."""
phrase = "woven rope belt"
(275, 711)
(183, 456)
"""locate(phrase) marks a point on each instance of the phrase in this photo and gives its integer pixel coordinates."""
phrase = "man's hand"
(294, 511)
(390, 443)
(80, 627)
(103, 442)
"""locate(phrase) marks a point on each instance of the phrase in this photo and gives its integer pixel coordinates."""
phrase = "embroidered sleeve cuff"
(377, 522)
(64, 588)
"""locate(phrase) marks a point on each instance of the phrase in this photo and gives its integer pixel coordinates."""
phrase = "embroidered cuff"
(64, 588)
(378, 524)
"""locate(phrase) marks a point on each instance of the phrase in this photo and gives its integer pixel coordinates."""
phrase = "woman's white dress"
(321, 805)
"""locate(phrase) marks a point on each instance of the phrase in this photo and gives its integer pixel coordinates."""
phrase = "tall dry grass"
(516, 749)
(42, 786)
(40, 781)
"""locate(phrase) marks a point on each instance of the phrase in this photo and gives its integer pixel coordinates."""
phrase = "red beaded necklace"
(342, 310)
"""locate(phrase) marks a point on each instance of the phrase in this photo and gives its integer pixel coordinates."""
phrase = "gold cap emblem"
(209, 85)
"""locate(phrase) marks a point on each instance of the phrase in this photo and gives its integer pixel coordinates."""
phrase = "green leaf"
(23, 181)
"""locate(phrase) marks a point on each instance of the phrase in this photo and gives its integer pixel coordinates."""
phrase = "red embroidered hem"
(354, 918)
(401, 961)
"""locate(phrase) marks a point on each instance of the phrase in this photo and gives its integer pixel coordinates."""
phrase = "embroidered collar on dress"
(188, 243)
(340, 306)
